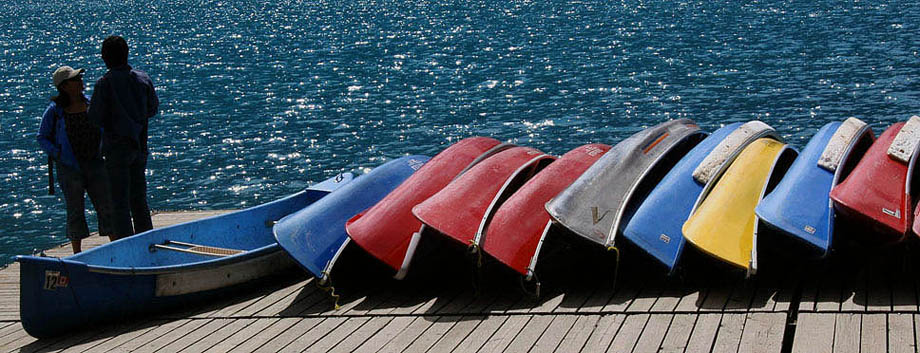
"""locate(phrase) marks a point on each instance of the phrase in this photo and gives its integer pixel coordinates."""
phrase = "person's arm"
(154, 102)
(46, 133)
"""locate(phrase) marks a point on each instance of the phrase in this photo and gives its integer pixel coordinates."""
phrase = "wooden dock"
(847, 304)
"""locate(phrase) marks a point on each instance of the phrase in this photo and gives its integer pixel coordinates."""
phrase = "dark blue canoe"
(315, 236)
(157, 269)
(800, 204)
(656, 225)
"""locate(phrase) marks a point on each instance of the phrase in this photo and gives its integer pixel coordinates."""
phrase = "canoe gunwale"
(615, 226)
(327, 270)
(532, 267)
(862, 134)
(865, 133)
(410, 252)
(487, 216)
(200, 265)
(908, 182)
(752, 268)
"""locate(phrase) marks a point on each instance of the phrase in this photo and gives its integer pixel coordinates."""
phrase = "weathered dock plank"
(675, 340)
(604, 333)
(355, 339)
(873, 335)
(553, 335)
(242, 337)
(462, 326)
(529, 334)
(433, 334)
(629, 333)
(814, 333)
(763, 333)
(728, 339)
(653, 334)
(704, 333)
(846, 333)
(505, 334)
(486, 328)
(901, 337)
(337, 335)
(387, 333)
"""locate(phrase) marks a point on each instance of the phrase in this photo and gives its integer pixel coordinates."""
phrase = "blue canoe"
(315, 236)
(157, 269)
(656, 225)
(800, 204)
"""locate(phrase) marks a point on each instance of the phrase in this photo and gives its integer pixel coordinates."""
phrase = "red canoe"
(517, 230)
(877, 191)
(387, 229)
(462, 209)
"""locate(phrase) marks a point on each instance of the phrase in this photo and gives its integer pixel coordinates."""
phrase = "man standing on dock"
(123, 101)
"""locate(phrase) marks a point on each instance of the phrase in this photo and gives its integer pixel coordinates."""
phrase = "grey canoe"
(593, 206)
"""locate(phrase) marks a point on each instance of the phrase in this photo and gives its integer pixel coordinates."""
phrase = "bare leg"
(77, 245)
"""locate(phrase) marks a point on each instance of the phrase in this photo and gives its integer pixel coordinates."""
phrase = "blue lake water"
(260, 100)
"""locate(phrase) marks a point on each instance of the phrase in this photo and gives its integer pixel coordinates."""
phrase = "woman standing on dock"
(74, 142)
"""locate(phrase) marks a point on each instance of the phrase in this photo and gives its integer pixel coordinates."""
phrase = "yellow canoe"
(724, 224)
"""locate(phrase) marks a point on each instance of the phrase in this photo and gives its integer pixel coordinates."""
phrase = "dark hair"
(114, 51)
(62, 99)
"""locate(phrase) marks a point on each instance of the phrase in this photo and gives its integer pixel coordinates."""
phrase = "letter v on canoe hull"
(462, 209)
(157, 269)
(315, 236)
(725, 225)
(881, 189)
(388, 229)
(594, 204)
(517, 230)
(800, 205)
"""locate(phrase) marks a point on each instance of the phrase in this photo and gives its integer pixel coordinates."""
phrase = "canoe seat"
(195, 249)
(904, 144)
(728, 148)
(840, 142)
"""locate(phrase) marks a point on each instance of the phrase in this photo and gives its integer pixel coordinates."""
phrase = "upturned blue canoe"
(157, 269)
(315, 236)
(800, 204)
(656, 225)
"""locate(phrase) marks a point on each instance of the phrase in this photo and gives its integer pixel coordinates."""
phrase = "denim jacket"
(52, 137)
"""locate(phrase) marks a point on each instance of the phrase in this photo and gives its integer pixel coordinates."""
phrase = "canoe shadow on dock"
(852, 279)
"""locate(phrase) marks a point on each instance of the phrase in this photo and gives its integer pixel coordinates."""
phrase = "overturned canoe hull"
(157, 269)
(387, 229)
(315, 236)
(877, 192)
(725, 225)
(516, 231)
(464, 207)
(656, 225)
(594, 204)
(800, 205)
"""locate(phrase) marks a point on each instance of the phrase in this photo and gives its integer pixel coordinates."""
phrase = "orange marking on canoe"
(655, 143)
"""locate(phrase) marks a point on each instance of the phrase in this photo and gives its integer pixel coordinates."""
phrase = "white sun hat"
(65, 73)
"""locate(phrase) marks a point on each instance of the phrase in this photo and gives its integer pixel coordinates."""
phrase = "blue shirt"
(123, 100)
(52, 136)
